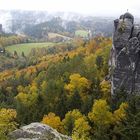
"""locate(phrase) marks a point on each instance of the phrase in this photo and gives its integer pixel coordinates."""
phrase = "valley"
(55, 77)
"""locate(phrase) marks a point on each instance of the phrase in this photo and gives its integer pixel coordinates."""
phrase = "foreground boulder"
(37, 131)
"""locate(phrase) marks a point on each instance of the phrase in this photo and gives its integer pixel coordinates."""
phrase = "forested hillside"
(39, 24)
(64, 86)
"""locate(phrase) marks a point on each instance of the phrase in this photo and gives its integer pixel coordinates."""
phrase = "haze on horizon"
(85, 7)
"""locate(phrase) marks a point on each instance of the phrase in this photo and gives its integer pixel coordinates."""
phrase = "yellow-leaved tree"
(120, 114)
(7, 121)
(100, 113)
(81, 129)
(28, 95)
(54, 121)
(77, 82)
(105, 89)
(103, 118)
(70, 119)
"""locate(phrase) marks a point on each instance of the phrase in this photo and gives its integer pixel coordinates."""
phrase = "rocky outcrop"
(125, 55)
(37, 131)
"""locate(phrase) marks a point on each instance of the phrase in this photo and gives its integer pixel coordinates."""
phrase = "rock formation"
(37, 131)
(125, 55)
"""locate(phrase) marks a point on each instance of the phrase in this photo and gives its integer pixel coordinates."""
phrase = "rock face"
(37, 131)
(125, 55)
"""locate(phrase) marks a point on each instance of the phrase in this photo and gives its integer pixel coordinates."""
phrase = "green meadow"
(26, 47)
(81, 33)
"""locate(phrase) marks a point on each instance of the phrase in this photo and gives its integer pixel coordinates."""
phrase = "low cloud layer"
(90, 7)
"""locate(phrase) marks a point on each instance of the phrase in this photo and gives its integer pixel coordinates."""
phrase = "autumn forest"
(64, 83)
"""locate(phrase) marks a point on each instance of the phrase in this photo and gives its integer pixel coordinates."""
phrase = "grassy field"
(53, 35)
(26, 48)
(81, 33)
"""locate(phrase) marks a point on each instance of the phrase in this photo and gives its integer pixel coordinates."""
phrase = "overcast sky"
(92, 7)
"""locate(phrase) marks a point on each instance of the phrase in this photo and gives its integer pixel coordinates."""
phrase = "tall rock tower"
(125, 55)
